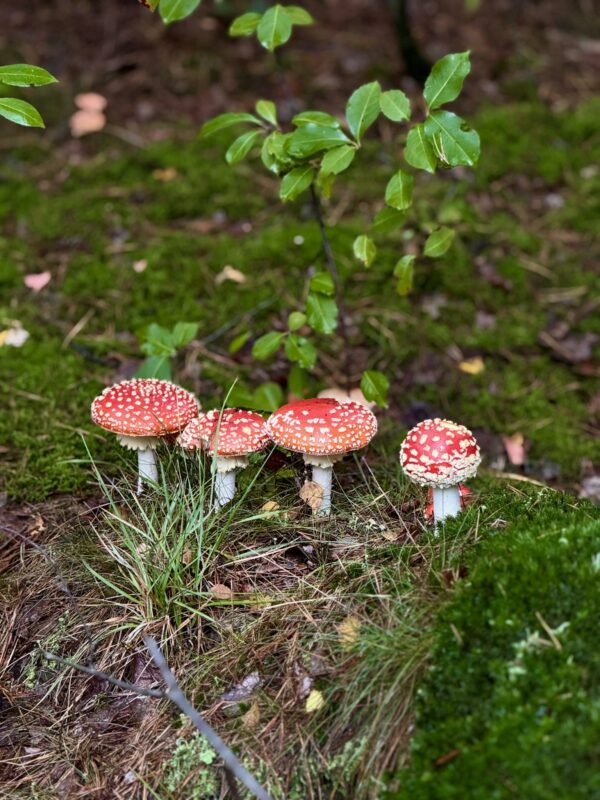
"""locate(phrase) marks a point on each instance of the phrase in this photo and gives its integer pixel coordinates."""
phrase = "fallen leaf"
(574, 349)
(165, 175)
(472, 366)
(270, 505)
(244, 689)
(37, 280)
(312, 494)
(348, 631)
(515, 448)
(84, 122)
(220, 591)
(229, 273)
(140, 265)
(14, 337)
(452, 754)
(90, 101)
(252, 717)
(314, 701)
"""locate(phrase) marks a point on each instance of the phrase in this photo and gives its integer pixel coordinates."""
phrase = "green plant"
(23, 75)
(510, 704)
(160, 345)
(312, 151)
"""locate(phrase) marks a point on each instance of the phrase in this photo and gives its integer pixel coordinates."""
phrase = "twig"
(130, 687)
(176, 696)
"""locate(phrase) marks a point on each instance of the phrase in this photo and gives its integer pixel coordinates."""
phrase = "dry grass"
(335, 610)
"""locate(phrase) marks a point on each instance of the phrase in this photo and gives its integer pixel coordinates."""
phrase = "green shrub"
(510, 706)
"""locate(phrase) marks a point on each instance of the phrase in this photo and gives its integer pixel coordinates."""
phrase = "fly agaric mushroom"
(230, 435)
(440, 454)
(323, 430)
(142, 411)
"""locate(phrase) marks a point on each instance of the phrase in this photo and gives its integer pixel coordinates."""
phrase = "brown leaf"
(515, 448)
(452, 754)
(165, 175)
(573, 349)
(220, 591)
(312, 494)
(229, 273)
(252, 717)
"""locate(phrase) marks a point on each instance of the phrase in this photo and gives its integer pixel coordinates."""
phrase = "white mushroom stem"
(224, 486)
(322, 474)
(446, 503)
(147, 466)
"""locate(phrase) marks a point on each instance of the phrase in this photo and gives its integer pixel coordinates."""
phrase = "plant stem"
(330, 258)
(415, 63)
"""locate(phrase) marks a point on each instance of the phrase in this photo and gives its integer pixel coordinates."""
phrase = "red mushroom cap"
(189, 438)
(235, 432)
(322, 426)
(439, 453)
(144, 407)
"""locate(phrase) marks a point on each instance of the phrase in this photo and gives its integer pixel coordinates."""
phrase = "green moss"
(510, 705)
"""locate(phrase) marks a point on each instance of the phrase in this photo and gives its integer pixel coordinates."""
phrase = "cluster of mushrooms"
(143, 412)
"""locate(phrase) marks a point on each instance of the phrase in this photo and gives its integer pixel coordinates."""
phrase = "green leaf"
(316, 118)
(398, 192)
(296, 320)
(267, 110)
(299, 15)
(321, 312)
(322, 282)
(296, 182)
(238, 342)
(298, 381)
(174, 10)
(183, 333)
(25, 75)
(375, 387)
(239, 396)
(388, 219)
(404, 271)
(155, 367)
(268, 397)
(446, 79)
(301, 350)
(363, 108)
(454, 142)
(245, 25)
(364, 250)
(309, 139)
(337, 160)
(274, 28)
(226, 120)
(395, 105)
(158, 341)
(267, 345)
(418, 152)
(20, 112)
(274, 154)
(240, 148)
(438, 242)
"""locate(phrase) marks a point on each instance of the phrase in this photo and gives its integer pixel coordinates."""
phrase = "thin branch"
(130, 687)
(176, 696)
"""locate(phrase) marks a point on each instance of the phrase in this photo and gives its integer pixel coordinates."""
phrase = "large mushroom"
(230, 435)
(441, 455)
(323, 430)
(141, 412)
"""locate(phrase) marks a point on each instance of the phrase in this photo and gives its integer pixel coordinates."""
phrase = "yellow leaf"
(270, 505)
(252, 717)
(312, 494)
(314, 701)
(165, 175)
(229, 273)
(348, 631)
(472, 366)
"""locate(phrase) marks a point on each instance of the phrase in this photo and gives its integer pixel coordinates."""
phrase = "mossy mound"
(510, 704)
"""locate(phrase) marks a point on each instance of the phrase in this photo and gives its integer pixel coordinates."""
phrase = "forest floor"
(135, 225)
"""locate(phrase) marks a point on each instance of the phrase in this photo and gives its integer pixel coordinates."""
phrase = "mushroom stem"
(446, 503)
(322, 477)
(147, 468)
(224, 488)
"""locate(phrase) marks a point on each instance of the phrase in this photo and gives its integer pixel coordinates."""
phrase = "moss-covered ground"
(524, 264)
(390, 661)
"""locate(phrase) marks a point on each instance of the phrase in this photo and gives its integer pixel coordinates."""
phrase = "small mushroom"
(142, 411)
(441, 455)
(230, 435)
(323, 430)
